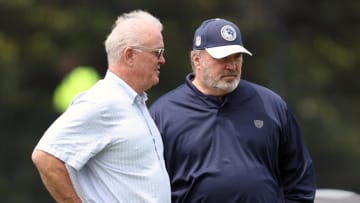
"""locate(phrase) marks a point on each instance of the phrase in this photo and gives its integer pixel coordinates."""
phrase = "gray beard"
(225, 86)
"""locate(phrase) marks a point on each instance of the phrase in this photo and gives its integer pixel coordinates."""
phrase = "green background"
(307, 51)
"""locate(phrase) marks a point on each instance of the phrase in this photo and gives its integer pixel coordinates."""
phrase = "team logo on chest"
(258, 123)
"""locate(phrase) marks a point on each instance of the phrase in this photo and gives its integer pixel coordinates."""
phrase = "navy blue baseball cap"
(219, 37)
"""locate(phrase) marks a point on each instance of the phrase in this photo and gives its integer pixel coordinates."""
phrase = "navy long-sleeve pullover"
(243, 147)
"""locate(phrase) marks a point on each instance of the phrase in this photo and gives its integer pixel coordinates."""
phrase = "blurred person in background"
(227, 139)
(105, 147)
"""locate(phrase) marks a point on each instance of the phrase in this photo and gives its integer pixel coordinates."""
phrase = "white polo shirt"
(110, 145)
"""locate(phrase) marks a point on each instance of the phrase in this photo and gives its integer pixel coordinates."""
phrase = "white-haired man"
(105, 147)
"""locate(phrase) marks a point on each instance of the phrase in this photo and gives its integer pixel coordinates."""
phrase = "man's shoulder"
(103, 97)
(174, 94)
(258, 89)
(171, 100)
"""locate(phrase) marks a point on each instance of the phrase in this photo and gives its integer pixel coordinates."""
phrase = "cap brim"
(224, 51)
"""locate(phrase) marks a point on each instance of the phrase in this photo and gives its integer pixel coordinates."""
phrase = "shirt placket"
(148, 120)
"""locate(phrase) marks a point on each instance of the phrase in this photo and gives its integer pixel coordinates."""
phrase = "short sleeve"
(77, 135)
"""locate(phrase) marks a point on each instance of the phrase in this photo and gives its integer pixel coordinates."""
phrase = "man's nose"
(162, 59)
(231, 64)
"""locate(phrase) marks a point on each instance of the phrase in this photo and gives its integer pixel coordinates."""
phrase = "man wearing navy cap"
(229, 140)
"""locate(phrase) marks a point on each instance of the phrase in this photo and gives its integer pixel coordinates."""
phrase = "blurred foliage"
(307, 51)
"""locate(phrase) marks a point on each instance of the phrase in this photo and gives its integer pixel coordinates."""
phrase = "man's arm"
(55, 177)
(296, 167)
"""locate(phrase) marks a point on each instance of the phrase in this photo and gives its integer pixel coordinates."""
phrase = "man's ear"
(128, 56)
(195, 58)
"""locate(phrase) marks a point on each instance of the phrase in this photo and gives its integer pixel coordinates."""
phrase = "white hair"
(127, 31)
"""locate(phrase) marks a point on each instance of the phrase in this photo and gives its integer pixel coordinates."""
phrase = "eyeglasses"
(158, 52)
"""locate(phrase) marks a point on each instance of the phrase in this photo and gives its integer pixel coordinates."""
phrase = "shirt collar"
(131, 94)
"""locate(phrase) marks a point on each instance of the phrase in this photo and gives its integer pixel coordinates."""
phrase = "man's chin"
(156, 81)
(229, 86)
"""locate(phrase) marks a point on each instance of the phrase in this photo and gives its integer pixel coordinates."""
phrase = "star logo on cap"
(228, 33)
